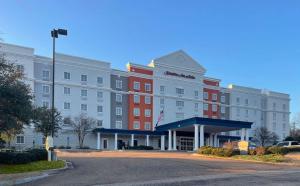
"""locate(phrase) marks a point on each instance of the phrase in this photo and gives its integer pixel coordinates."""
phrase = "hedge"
(277, 150)
(141, 147)
(223, 152)
(23, 157)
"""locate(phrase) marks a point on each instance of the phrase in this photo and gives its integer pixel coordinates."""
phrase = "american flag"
(159, 117)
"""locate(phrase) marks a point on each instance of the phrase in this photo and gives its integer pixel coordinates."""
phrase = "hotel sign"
(179, 75)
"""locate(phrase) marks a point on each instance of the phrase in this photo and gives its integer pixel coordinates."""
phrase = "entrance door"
(186, 143)
(105, 144)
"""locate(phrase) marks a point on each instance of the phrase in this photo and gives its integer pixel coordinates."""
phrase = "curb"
(45, 173)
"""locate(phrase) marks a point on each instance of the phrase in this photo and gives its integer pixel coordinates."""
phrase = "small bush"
(252, 152)
(293, 149)
(205, 150)
(277, 150)
(141, 147)
(84, 147)
(61, 147)
(260, 151)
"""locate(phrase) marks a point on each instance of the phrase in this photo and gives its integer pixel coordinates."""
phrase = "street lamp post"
(54, 35)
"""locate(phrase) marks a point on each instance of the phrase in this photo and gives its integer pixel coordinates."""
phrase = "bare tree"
(81, 125)
(264, 137)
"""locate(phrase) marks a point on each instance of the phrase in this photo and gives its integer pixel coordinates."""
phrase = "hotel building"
(168, 104)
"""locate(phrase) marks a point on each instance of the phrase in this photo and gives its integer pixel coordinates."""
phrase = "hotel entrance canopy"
(211, 125)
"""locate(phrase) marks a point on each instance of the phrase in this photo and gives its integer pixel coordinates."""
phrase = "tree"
(42, 119)
(264, 137)
(81, 125)
(15, 100)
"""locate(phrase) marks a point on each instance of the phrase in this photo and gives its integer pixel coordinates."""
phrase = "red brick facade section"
(210, 113)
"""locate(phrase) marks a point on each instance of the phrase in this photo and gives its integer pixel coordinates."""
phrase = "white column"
(243, 134)
(147, 140)
(228, 141)
(162, 142)
(211, 140)
(216, 140)
(132, 140)
(98, 141)
(174, 140)
(247, 134)
(170, 140)
(196, 137)
(201, 135)
(116, 141)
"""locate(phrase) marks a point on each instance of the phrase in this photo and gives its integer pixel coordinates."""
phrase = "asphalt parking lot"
(144, 168)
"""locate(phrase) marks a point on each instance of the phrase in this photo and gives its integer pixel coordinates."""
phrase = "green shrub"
(278, 150)
(260, 151)
(293, 149)
(252, 152)
(205, 150)
(23, 157)
(141, 147)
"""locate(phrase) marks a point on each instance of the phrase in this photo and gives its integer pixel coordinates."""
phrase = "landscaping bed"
(275, 158)
(29, 167)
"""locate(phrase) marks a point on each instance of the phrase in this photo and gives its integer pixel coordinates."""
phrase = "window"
(84, 107)
(274, 106)
(223, 99)
(147, 87)
(162, 89)
(147, 100)
(119, 111)
(205, 106)
(136, 112)
(99, 123)
(179, 104)
(179, 116)
(46, 104)
(46, 74)
(223, 110)
(238, 112)
(67, 105)
(147, 126)
(283, 126)
(179, 91)
(99, 80)
(283, 106)
(20, 140)
(20, 68)
(99, 94)
(196, 93)
(83, 77)
(214, 97)
(83, 93)
(99, 108)
(119, 84)
(67, 75)
(148, 112)
(274, 116)
(246, 102)
(196, 106)
(67, 121)
(119, 98)
(46, 89)
(274, 126)
(205, 95)
(246, 113)
(67, 91)
(214, 108)
(162, 101)
(136, 85)
(136, 98)
(238, 101)
(119, 124)
(136, 125)
(283, 117)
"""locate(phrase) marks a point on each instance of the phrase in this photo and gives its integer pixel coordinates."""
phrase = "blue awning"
(230, 124)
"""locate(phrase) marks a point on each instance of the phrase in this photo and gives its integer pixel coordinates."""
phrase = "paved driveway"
(144, 168)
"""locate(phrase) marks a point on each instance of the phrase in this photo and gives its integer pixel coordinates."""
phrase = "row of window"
(136, 112)
(83, 107)
(84, 77)
(137, 125)
(137, 86)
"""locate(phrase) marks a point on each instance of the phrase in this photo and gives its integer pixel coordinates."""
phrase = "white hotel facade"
(127, 104)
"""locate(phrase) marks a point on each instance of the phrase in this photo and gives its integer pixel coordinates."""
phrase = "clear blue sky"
(251, 43)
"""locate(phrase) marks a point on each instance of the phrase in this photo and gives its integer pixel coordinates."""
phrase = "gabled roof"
(179, 59)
